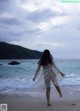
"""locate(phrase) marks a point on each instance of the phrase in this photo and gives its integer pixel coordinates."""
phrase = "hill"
(10, 51)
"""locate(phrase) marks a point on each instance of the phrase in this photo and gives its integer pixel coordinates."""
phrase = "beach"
(35, 100)
(21, 93)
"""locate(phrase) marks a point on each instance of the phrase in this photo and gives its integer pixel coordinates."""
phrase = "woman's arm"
(58, 69)
(37, 71)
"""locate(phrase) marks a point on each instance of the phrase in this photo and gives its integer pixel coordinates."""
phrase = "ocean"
(15, 78)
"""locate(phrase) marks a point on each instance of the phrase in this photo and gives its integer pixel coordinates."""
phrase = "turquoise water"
(20, 76)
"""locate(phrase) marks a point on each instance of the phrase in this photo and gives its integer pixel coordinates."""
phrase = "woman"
(49, 69)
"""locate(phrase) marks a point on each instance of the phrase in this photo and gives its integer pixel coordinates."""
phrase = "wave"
(20, 76)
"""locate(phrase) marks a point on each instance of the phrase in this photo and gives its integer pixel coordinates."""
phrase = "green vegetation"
(10, 51)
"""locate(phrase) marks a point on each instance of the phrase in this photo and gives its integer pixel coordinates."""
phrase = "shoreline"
(70, 89)
(35, 100)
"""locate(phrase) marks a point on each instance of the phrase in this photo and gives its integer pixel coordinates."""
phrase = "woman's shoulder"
(52, 58)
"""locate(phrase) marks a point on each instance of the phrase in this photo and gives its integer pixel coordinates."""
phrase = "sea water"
(20, 77)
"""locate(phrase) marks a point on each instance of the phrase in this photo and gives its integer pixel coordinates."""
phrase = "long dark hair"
(46, 58)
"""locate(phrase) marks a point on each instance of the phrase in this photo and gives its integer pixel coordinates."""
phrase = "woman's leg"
(48, 96)
(54, 80)
(59, 90)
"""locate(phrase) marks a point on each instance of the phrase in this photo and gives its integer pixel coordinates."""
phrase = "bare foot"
(49, 104)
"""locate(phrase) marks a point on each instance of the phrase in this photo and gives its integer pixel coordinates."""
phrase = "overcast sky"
(42, 24)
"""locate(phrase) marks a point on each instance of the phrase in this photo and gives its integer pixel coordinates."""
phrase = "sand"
(35, 100)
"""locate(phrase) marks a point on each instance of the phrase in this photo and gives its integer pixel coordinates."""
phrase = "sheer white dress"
(50, 73)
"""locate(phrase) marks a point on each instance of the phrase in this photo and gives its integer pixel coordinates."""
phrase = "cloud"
(10, 21)
(7, 5)
(43, 15)
(40, 15)
(41, 24)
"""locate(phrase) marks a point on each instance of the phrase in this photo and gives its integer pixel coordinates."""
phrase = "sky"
(42, 24)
